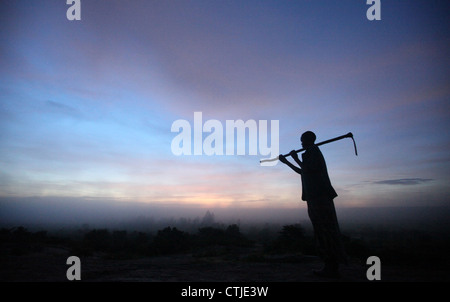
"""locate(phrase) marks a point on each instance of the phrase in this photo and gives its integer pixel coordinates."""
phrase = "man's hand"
(283, 159)
(294, 154)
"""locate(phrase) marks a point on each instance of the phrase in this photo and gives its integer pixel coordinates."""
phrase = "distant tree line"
(125, 244)
(409, 248)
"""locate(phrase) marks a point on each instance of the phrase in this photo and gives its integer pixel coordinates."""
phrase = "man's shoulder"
(314, 149)
(313, 153)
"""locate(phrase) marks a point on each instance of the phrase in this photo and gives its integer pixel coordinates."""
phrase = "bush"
(292, 239)
(170, 241)
(231, 236)
(100, 240)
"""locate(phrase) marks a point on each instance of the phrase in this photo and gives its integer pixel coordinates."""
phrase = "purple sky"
(86, 107)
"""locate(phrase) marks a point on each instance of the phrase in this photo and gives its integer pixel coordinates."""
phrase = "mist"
(63, 212)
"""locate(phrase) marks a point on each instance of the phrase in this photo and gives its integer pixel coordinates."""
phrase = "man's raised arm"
(285, 161)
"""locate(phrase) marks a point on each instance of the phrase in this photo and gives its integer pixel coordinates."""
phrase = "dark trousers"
(322, 214)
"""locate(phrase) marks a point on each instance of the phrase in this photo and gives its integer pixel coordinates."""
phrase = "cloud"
(63, 109)
(403, 181)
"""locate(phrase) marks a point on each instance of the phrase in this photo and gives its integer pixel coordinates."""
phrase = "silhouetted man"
(318, 193)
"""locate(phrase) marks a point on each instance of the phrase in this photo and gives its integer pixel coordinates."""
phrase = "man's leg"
(327, 234)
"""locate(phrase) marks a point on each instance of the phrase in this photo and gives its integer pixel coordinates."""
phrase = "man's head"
(308, 138)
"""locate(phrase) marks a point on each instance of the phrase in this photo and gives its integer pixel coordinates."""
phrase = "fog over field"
(74, 212)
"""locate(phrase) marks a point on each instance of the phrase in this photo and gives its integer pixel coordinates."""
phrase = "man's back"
(315, 180)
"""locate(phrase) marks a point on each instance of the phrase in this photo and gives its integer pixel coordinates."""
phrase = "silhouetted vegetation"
(19, 241)
(394, 247)
(116, 244)
(292, 239)
(124, 244)
(170, 241)
(231, 236)
(411, 248)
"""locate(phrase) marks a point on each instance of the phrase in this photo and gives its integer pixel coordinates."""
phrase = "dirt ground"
(49, 265)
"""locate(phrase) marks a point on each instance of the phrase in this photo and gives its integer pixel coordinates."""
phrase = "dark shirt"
(315, 180)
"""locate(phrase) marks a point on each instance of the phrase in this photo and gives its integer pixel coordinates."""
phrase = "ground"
(244, 265)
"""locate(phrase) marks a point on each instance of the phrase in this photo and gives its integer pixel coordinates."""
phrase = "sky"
(87, 106)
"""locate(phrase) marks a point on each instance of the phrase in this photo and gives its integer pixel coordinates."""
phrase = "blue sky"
(87, 106)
